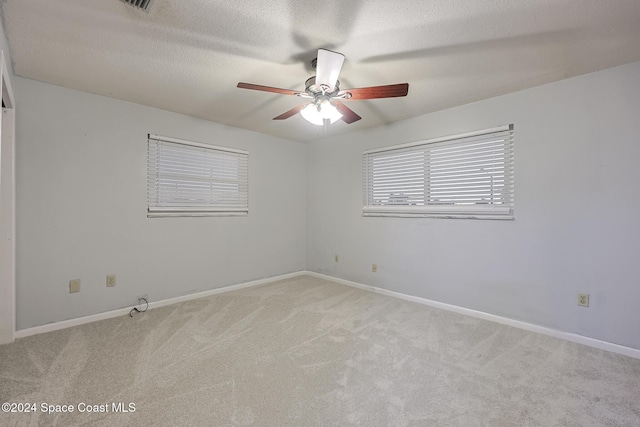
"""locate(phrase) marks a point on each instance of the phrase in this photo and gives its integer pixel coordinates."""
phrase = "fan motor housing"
(312, 89)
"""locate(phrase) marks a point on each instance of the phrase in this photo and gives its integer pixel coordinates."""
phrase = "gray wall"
(81, 208)
(577, 226)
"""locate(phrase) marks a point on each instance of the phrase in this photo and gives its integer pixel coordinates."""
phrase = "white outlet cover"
(74, 286)
(583, 300)
(111, 280)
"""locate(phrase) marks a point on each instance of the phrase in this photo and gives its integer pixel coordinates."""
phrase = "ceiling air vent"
(139, 4)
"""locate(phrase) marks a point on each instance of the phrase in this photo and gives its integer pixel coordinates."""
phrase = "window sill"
(440, 216)
(476, 212)
(193, 214)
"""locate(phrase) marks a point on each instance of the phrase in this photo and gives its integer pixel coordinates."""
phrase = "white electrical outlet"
(583, 300)
(374, 268)
(74, 286)
(111, 280)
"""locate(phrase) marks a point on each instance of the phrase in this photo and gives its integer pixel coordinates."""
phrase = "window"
(462, 176)
(193, 179)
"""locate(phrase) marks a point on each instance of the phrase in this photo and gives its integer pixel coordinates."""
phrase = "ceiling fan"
(326, 96)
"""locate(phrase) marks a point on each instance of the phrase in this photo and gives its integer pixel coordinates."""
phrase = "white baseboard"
(591, 342)
(155, 304)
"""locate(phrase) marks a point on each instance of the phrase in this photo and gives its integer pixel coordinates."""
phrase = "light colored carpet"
(307, 352)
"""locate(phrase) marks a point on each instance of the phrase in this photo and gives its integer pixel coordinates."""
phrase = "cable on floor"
(137, 310)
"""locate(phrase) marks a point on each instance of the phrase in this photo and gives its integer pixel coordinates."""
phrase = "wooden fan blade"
(348, 115)
(375, 92)
(328, 68)
(267, 89)
(292, 112)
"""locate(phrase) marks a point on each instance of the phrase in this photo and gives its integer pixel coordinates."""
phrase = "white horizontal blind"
(465, 176)
(192, 179)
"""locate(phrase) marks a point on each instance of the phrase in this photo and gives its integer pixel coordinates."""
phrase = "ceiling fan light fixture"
(317, 113)
(329, 111)
(311, 114)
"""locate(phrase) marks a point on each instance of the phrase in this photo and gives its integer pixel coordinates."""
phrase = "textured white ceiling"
(188, 55)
